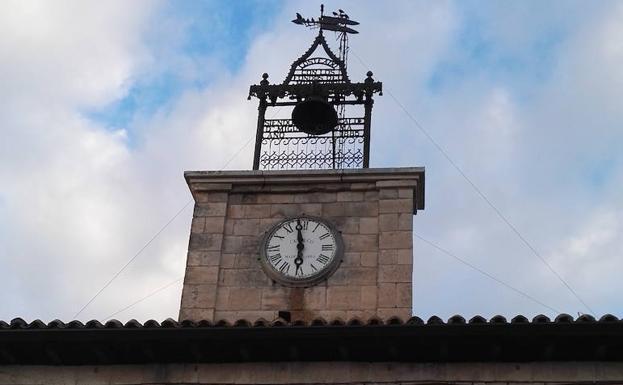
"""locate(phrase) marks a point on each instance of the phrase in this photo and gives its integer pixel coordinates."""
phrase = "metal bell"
(314, 116)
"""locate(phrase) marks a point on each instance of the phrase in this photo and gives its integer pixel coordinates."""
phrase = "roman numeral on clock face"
(273, 248)
(275, 258)
(285, 267)
(323, 236)
(288, 227)
(322, 259)
(328, 247)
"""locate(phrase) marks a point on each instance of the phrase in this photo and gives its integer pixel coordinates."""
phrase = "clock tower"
(311, 232)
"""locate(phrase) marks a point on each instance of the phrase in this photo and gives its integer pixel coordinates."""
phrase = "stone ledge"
(202, 181)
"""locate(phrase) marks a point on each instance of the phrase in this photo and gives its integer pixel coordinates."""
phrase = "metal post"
(367, 119)
(260, 133)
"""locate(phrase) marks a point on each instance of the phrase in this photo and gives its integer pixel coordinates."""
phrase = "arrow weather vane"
(339, 22)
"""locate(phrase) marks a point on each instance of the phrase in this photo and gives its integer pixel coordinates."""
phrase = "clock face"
(301, 251)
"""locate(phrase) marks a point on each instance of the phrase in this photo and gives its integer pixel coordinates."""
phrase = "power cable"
(488, 275)
(133, 258)
(144, 298)
(153, 238)
(481, 194)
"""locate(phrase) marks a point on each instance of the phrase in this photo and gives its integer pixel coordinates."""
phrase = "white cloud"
(77, 201)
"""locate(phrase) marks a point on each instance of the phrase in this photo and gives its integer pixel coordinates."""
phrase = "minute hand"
(300, 245)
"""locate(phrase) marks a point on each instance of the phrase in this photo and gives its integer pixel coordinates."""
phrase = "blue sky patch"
(208, 30)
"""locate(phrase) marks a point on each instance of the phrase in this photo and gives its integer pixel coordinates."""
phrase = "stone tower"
(311, 232)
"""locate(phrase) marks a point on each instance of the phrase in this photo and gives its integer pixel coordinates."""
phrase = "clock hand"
(298, 261)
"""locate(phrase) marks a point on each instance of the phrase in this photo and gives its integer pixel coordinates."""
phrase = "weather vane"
(323, 131)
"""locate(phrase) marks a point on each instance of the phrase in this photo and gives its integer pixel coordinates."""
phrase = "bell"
(314, 116)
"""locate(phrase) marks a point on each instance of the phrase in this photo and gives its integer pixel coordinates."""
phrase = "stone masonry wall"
(224, 279)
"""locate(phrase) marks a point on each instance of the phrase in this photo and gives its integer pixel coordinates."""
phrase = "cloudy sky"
(103, 105)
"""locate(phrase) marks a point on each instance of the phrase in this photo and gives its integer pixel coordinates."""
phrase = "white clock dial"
(301, 251)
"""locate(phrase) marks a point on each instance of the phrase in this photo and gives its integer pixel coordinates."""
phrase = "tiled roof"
(19, 323)
(456, 339)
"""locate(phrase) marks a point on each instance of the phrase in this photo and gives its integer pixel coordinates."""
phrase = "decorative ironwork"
(320, 135)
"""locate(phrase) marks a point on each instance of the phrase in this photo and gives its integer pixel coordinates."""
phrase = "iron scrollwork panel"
(285, 147)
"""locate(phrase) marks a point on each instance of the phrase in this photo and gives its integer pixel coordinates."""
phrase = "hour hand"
(301, 245)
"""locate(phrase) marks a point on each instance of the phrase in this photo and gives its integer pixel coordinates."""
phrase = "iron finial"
(264, 81)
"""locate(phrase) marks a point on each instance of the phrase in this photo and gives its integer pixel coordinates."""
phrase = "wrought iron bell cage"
(324, 131)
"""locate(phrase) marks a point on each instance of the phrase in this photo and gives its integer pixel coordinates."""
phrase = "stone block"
(344, 297)
(244, 298)
(405, 193)
(388, 222)
(351, 259)
(275, 198)
(222, 298)
(214, 225)
(245, 261)
(199, 296)
(288, 188)
(368, 225)
(285, 210)
(274, 298)
(196, 314)
(229, 226)
(395, 240)
(362, 186)
(316, 197)
(369, 258)
(248, 199)
(395, 206)
(215, 209)
(254, 315)
(333, 209)
(353, 276)
(235, 211)
(228, 315)
(197, 225)
(201, 275)
(361, 209)
(368, 297)
(403, 313)
(256, 211)
(394, 273)
(311, 209)
(210, 242)
(244, 278)
(203, 258)
(387, 295)
(396, 183)
(363, 315)
(371, 196)
(358, 242)
(350, 196)
(347, 225)
(404, 257)
(246, 226)
(250, 188)
(405, 221)
(403, 294)
(387, 257)
(315, 298)
(216, 196)
(388, 193)
(234, 199)
(228, 261)
(330, 315)
(238, 244)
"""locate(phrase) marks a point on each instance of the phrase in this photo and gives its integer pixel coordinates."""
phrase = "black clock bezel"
(322, 275)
